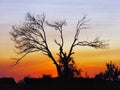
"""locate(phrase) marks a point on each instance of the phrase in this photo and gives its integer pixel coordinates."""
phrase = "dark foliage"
(7, 84)
(69, 69)
(60, 84)
(46, 76)
(111, 73)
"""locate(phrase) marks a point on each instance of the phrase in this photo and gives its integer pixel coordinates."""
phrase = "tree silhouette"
(31, 37)
(111, 73)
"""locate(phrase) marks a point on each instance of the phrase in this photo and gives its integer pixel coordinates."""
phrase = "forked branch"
(58, 26)
(96, 43)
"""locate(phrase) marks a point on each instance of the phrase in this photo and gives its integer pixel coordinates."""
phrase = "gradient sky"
(104, 18)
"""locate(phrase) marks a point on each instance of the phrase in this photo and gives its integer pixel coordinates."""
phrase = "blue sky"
(13, 10)
(104, 16)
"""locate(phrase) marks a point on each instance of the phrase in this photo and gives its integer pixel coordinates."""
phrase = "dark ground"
(58, 84)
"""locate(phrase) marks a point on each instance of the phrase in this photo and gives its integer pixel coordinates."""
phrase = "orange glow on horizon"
(37, 64)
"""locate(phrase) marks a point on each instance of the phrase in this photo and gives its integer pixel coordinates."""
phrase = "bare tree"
(31, 37)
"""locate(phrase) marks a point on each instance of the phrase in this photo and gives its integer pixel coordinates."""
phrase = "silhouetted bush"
(7, 84)
(111, 73)
(9, 81)
(69, 69)
(60, 84)
(46, 76)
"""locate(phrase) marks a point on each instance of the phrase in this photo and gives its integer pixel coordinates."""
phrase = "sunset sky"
(104, 21)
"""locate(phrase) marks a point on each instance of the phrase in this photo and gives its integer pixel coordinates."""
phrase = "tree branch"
(58, 26)
(80, 26)
(31, 36)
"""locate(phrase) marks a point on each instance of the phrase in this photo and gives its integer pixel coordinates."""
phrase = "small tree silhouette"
(31, 37)
(111, 73)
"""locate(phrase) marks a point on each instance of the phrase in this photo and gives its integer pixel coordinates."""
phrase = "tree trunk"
(66, 71)
(59, 72)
